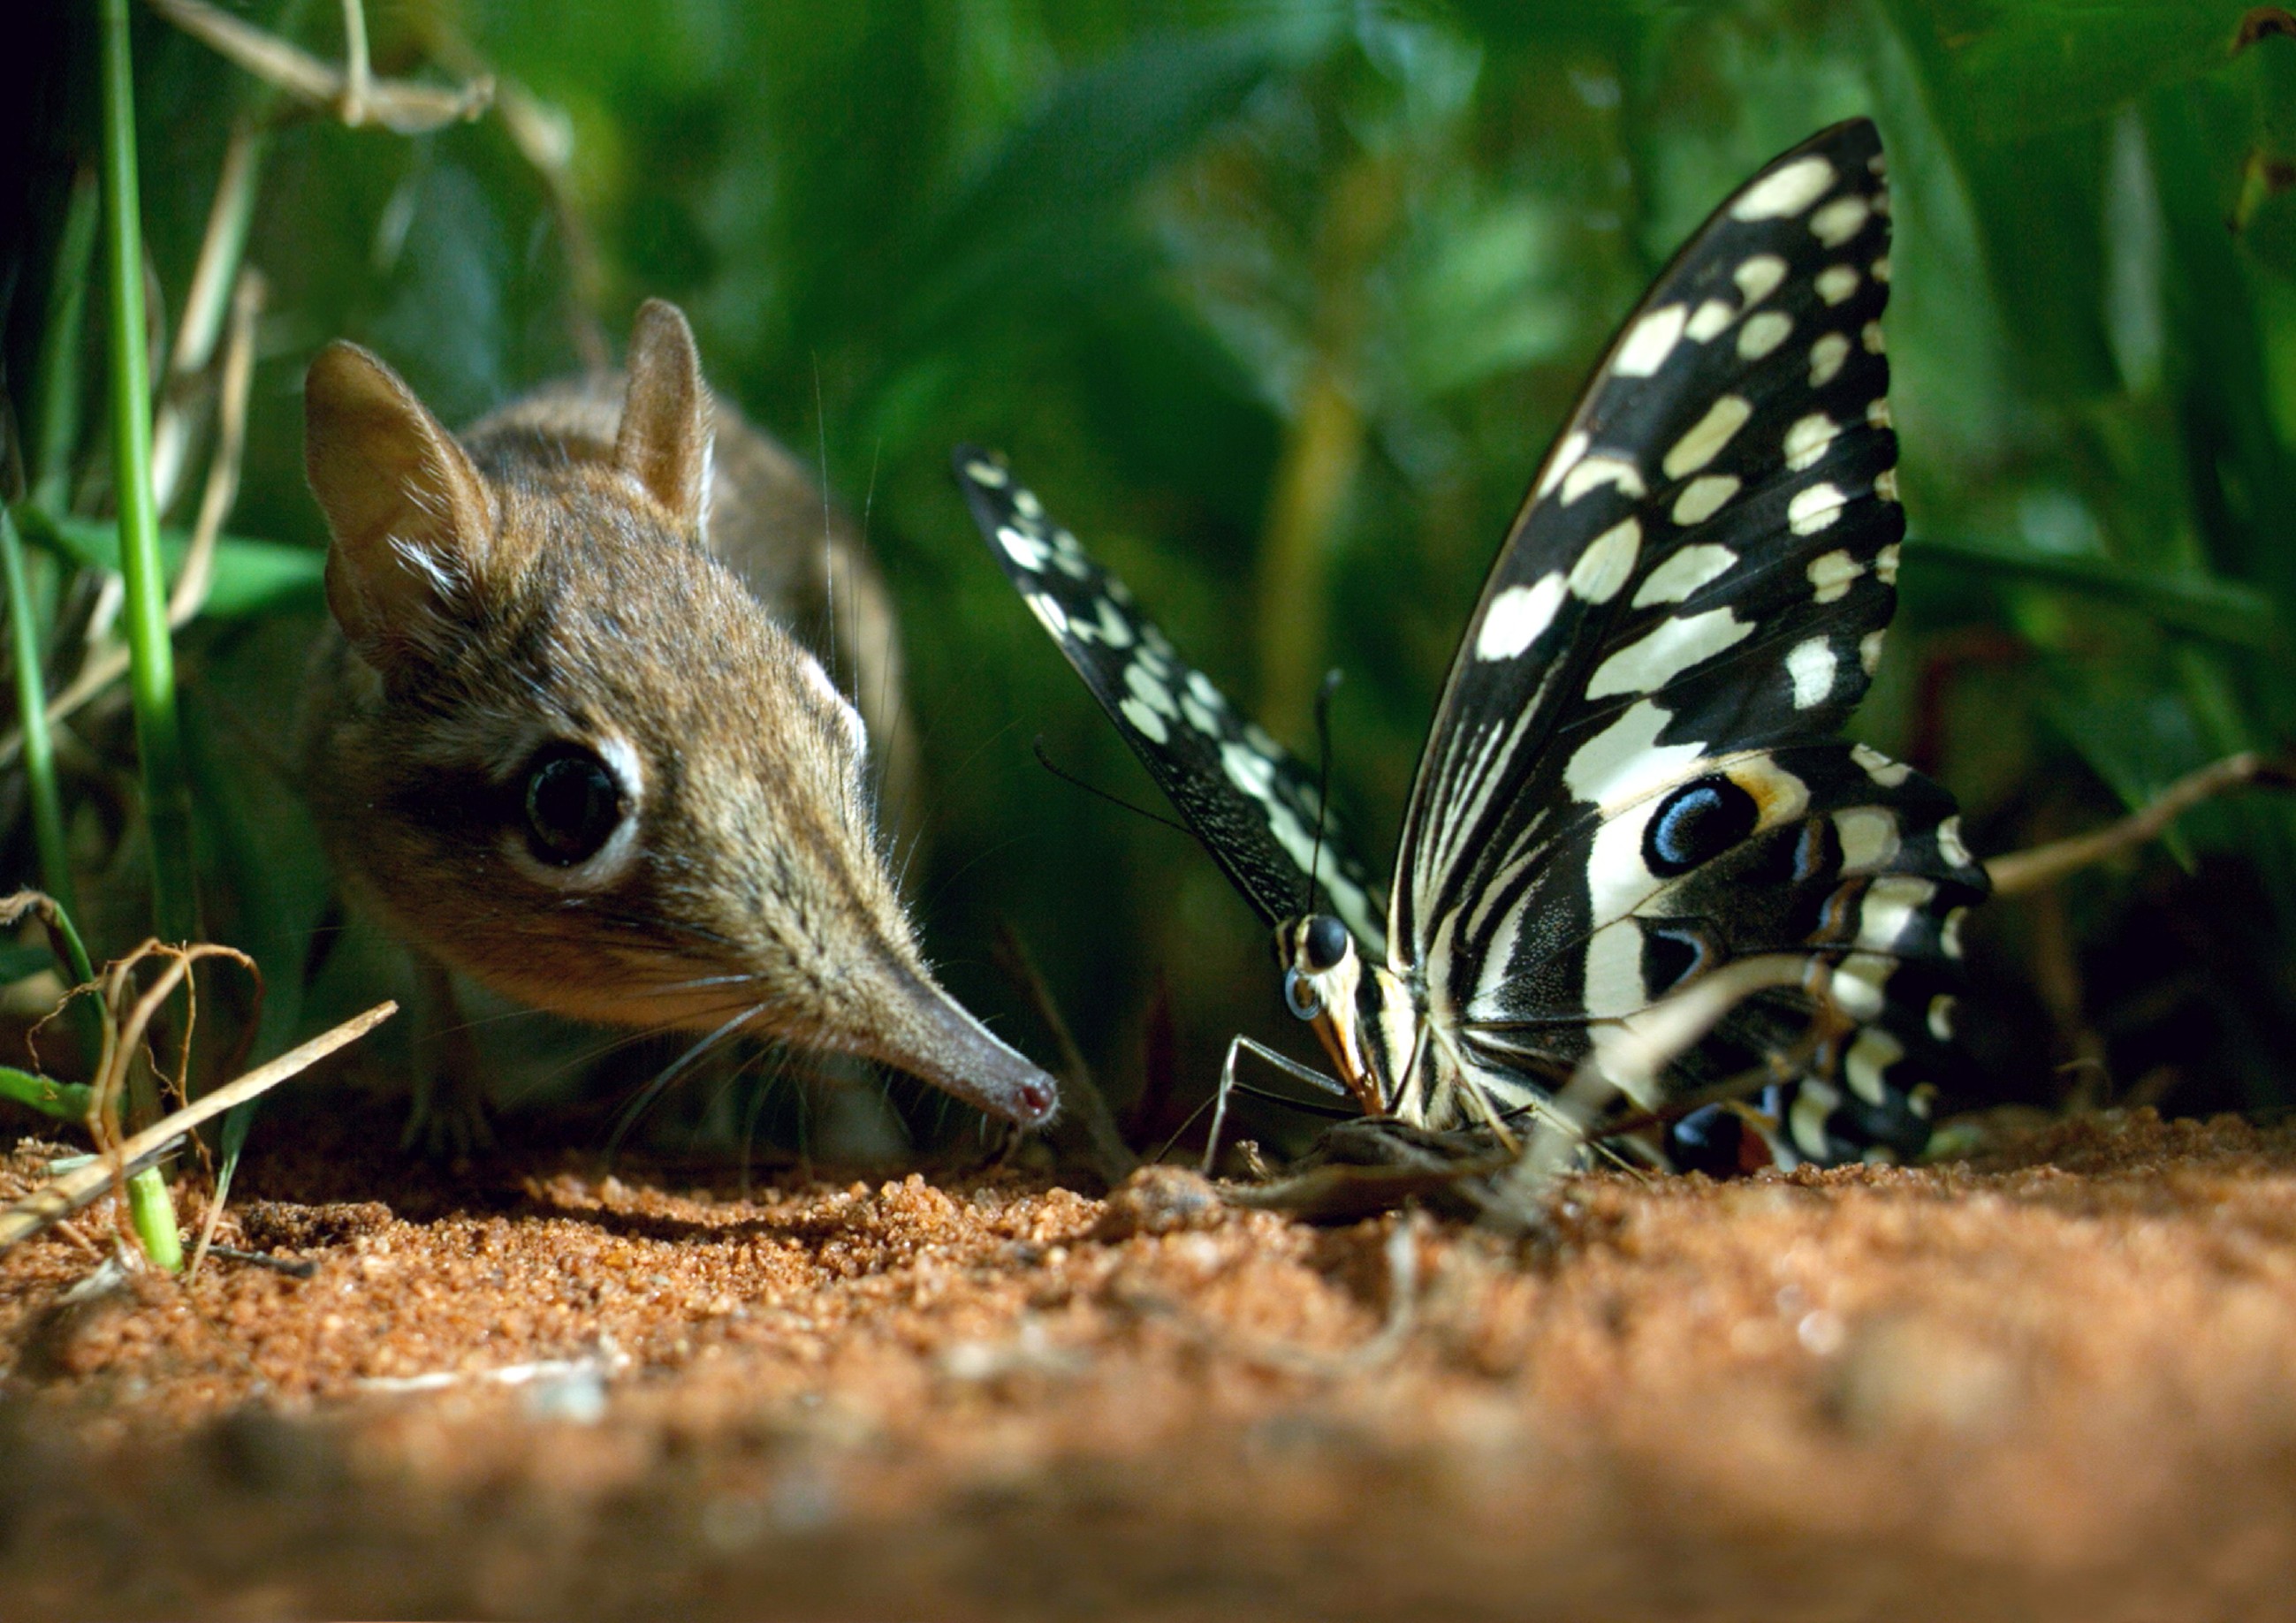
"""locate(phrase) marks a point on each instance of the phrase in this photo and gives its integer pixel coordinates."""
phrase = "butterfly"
(1634, 780)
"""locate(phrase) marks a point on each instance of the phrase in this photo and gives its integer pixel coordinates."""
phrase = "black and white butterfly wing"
(1690, 604)
(1251, 803)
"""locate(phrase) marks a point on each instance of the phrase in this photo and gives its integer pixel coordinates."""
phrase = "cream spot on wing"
(1758, 278)
(1683, 573)
(1810, 666)
(1594, 471)
(1880, 767)
(1708, 319)
(1784, 193)
(1858, 982)
(1874, 1053)
(1614, 971)
(1149, 725)
(1763, 333)
(1891, 903)
(1024, 550)
(1807, 440)
(1833, 573)
(1025, 503)
(1565, 457)
(1252, 773)
(1625, 760)
(1702, 497)
(1885, 484)
(986, 473)
(1812, 510)
(1950, 845)
(1840, 220)
(1115, 630)
(1149, 689)
(1868, 836)
(1885, 564)
(1516, 616)
(1650, 342)
(1668, 649)
(1940, 1021)
(1836, 282)
(1608, 563)
(1949, 933)
(1806, 1119)
(1869, 650)
(1825, 358)
(1705, 441)
(1870, 335)
(1879, 268)
(1050, 614)
(1877, 412)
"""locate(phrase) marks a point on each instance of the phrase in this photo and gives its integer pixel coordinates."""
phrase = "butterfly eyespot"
(1300, 996)
(1696, 824)
(1323, 942)
(572, 804)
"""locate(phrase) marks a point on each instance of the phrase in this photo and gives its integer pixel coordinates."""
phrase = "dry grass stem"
(63, 1195)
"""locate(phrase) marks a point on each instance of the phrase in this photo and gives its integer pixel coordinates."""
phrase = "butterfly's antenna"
(1324, 693)
(1045, 762)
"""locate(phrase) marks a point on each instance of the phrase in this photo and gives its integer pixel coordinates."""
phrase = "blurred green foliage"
(1278, 305)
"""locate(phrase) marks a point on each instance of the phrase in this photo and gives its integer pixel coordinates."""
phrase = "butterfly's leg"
(1289, 1067)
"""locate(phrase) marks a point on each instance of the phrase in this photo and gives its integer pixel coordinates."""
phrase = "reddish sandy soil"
(2059, 1383)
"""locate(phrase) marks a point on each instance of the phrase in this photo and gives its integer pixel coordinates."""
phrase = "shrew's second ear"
(664, 442)
(411, 518)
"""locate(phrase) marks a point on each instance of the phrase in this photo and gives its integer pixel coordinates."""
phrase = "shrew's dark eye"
(573, 805)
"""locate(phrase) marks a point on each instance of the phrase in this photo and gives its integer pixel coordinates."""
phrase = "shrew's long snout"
(927, 1033)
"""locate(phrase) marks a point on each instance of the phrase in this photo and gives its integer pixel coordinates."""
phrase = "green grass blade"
(151, 679)
(32, 709)
(57, 370)
(64, 1100)
(2204, 605)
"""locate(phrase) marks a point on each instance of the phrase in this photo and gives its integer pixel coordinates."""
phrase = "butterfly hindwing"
(1251, 803)
(1705, 563)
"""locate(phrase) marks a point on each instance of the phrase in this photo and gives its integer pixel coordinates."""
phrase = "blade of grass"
(166, 800)
(2222, 611)
(56, 372)
(32, 707)
(65, 1100)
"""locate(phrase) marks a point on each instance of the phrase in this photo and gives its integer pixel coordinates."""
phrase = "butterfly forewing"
(1704, 563)
(1250, 801)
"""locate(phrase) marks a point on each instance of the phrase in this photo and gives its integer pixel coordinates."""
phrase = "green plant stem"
(151, 678)
(152, 669)
(57, 370)
(32, 711)
(65, 1100)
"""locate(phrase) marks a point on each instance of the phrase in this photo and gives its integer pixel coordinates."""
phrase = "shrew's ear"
(411, 518)
(664, 442)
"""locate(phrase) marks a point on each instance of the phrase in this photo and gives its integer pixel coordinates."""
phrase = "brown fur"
(559, 577)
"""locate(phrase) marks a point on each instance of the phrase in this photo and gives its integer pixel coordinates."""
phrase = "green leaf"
(2035, 65)
(2221, 610)
(251, 577)
(65, 1100)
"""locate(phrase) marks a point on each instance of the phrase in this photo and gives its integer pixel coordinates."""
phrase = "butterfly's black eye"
(573, 805)
(1323, 942)
(1696, 824)
(1300, 996)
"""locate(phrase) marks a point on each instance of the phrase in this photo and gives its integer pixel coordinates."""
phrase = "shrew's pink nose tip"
(1038, 1101)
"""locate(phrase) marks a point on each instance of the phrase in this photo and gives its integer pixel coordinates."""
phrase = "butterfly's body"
(1634, 780)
